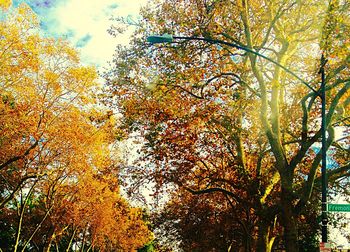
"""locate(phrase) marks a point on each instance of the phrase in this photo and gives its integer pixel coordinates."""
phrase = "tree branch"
(309, 183)
(16, 158)
(19, 185)
(213, 190)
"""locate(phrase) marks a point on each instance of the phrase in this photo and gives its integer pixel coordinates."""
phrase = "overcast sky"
(85, 23)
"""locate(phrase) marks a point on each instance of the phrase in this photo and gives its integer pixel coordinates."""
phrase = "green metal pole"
(244, 48)
(324, 153)
(167, 38)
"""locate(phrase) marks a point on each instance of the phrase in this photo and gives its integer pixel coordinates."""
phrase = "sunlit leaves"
(5, 4)
(219, 120)
(59, 180)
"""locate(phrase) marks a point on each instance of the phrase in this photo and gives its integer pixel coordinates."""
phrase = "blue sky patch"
(43, 9)
(38, 6)
(83, 23)
(83, 41)
(113, 6)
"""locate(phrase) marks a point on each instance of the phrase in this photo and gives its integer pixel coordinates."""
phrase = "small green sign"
(339, 207)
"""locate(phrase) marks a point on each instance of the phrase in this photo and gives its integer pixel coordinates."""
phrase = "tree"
(207, 223)
(216, 119)
(59, 185)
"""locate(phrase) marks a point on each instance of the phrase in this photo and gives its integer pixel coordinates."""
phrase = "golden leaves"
(95, 205)
(5, 4)
(53, 131)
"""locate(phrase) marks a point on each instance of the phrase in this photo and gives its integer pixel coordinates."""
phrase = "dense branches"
(222, 120)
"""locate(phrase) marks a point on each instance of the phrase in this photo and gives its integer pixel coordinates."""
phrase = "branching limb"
(309, 183)
(213, 190)
(14, 191)
(16, 158)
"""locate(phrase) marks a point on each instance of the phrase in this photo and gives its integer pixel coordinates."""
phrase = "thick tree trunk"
(289, 223)
(265, 241)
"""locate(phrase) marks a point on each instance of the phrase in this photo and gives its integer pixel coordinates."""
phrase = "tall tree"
(58, 181)
(206, 223)
(217, 119)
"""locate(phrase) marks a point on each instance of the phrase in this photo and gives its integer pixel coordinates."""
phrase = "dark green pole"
(324, 153)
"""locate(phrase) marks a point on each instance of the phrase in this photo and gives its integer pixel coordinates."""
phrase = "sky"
(85, 23)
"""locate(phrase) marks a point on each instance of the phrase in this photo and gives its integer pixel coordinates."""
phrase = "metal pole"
(246, 49)
(324, 153)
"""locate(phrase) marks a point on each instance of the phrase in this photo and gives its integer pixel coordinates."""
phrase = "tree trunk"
(265, 241)
(289, 222)
(48, 243)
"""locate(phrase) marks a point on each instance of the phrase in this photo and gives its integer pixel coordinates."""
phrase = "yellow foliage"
(51, 128)
(5, 4)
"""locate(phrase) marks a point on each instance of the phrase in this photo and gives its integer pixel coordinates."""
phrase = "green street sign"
(339, 207)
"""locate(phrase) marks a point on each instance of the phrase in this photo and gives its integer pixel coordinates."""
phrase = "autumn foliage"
(228, 130)
(59, 186)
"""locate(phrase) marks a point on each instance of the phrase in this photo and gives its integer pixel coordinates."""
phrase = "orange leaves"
(219, 119)
(96, 206)
(55, 137)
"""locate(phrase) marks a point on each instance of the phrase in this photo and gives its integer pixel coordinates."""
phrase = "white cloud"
(90, 19)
